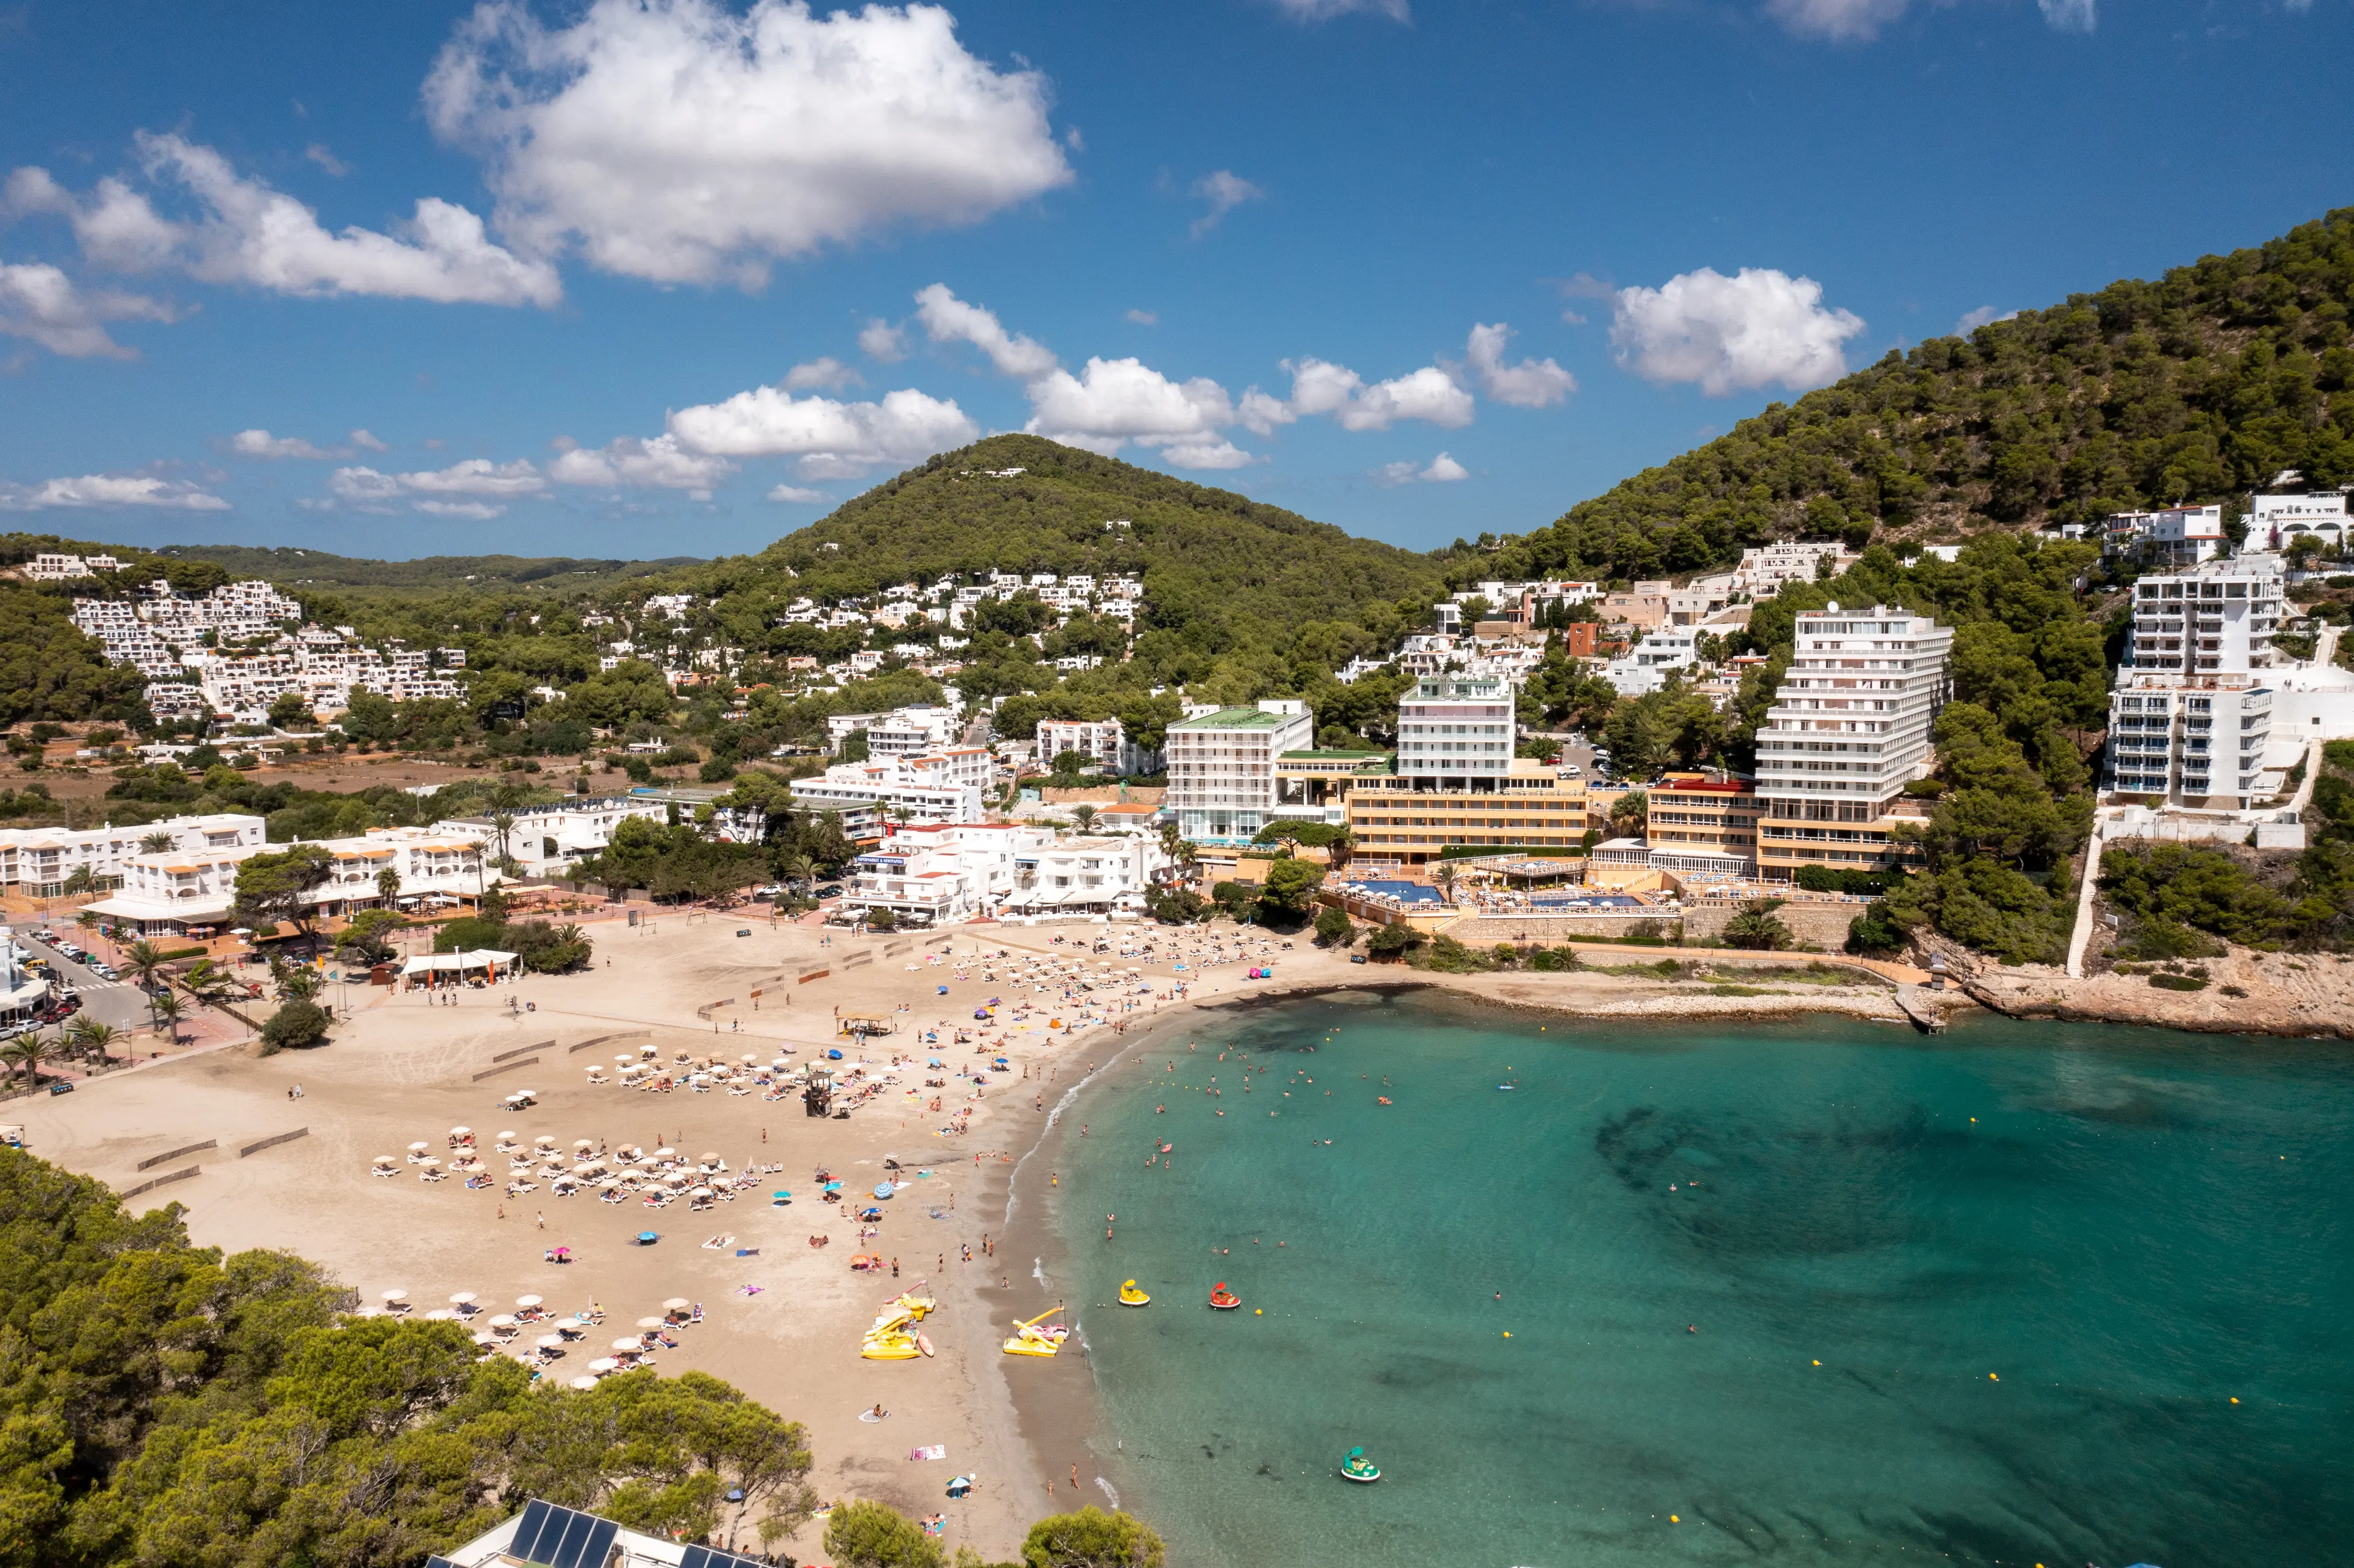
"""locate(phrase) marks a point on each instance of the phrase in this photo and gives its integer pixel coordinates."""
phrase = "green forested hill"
(1220, 566)
(298, 569)
(2203, 384)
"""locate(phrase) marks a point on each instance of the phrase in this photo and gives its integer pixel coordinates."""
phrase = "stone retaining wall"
(1823, 927)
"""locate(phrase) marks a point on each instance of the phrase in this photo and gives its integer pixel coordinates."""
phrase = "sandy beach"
(782, 1322)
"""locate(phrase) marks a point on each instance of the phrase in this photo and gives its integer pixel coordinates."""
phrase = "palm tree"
(387, 885)
(157, 843)
(1085, 815)
(1170, 840)
(796, 866)
(144, 959)
(90, 1036)
(167, 1009)
(27, 1052)
(79, 882)
(1445, 873)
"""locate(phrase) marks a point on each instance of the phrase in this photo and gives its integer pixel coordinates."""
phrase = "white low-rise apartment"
(2217, 619)
(2275, 521)
(1221, 764)
(51, 567)
(36, 863)
(1852, 723)
(549, 841)
(1645, 667)
(962, 870)
(2174, 537)
(191, 893)
(1103, 742)
(1766, 567)
(945, 787)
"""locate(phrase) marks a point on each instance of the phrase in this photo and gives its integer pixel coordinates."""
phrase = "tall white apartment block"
(1456, 731)
(2218, 619)
(1852, 723)
(1222, 767)
(2191, 715)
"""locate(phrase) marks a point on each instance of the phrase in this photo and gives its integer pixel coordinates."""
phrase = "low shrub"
(2178, 982)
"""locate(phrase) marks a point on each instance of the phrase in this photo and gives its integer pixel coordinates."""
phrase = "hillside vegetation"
(2207, 382)
(295, 569)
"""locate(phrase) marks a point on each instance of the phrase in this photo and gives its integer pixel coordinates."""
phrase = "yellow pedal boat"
(889, 1347)
(1132, 1295)
(1030, 1339)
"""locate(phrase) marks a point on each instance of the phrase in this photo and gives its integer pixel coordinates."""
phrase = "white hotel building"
(1852, 723)
(35, 862)
(1222, 783)
(1006, 870)
(187, 892)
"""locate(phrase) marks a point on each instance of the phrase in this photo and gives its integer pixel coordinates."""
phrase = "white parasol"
(604, 1364)
(418, 1148)
(529, 1300)
(627, 1347)
(550, 1342)
(653, 1323)
(461, 1298)
(583, 1381)
(677, 1304)
(396, 1296)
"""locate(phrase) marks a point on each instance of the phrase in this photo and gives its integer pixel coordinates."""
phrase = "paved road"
(116, 1003)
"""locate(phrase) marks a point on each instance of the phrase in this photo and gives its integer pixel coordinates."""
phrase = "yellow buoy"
(1258, 1311)
(1674, 1518)
(1818, 1363)
(1508, 1333)
(1994, 1377)
(2235, 1399)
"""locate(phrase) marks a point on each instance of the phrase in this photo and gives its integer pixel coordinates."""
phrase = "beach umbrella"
(439, 1315)
(665, 1153)
(629, 1347)
(550, 1342)
(584, 1144)
(751, 1058)
(712, 1159)
(461, 1133)
(418, 1148)
(431, 1163)
(604, 1364)
(503, 1321)
(651, 1322)
(610, 1182)
(387, 1160)
(507, 1135)
(583, 1381)
(699, 1192)
(677, 1304)
(396, 1296)
(544, 1140)
(461, 1298)
(484, 1339)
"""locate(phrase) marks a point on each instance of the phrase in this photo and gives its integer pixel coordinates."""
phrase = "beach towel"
(749, 1290)
(748, 1252)
(933, 1451)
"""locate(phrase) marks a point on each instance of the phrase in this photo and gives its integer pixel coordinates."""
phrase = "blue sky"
(671, 278)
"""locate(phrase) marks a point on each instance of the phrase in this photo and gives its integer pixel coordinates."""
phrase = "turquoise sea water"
(2135, 1228)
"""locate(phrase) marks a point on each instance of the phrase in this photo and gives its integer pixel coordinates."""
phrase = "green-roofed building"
(1222, 773)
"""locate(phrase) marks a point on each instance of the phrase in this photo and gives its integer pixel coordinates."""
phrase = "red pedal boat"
(1223, 1300)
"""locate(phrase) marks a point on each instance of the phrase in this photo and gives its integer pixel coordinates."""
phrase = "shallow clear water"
(2136, 1227)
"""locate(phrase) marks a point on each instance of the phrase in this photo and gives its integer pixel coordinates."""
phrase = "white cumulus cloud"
(1442, 470)
(262, 444)
(245, 232)
(94, 491)
(1219, 453)
(1112, 402)
(832, 440)
(477, 476)
(40, 302)
(1225, 190)
(371, 491)
(1144, 318)
(948, 319)
(1325, 10)
(798, 496)
(1732, 334)
(1973, 319)
(1319, 387)
(828, 372)
(660, 463)
(2071, 15)
(880, 341)
(1841, 21)
(1531, 383)
(685, 141)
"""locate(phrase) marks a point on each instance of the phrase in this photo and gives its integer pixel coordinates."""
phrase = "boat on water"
(1223, 1300)
(1132, 1295)
(1357, 1467)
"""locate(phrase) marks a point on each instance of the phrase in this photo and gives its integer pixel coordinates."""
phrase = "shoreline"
(403, 1068)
